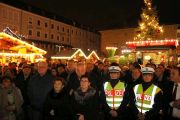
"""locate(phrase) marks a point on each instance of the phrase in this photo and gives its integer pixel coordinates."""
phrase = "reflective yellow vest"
(145, 99)
(114, 96)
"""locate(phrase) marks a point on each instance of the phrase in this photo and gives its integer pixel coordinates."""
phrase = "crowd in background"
(74, 91)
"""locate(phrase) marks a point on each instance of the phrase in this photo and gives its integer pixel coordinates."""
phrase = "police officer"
(113, 93)
(147, 97)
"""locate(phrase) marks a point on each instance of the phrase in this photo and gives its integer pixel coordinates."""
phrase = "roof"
(69, 54)
(20, 44)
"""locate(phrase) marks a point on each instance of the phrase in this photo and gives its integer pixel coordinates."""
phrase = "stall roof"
(68, 54)
(20, 43)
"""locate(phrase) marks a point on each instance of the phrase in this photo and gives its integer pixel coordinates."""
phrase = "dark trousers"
(35, 114)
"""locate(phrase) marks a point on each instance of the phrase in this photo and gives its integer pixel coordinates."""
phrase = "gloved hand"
(141, 116)
(113, 113)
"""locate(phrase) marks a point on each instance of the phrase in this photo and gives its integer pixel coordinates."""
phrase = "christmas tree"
(149, 28)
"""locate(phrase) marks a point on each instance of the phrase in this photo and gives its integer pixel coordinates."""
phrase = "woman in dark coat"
(56, 106)
(84, 101)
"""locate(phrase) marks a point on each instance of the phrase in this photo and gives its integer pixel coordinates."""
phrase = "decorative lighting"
(171, 42)
(78, 50)
(126, 51)
(8, 37)
(70, 57)
(93, 52)
(107, 48)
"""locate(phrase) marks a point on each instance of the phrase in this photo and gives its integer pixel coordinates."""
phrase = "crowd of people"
(80, 90)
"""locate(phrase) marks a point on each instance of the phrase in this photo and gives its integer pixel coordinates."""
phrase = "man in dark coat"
(172, 96)
(21, 82)
(74, 79)
(39, 86)
(136, 78)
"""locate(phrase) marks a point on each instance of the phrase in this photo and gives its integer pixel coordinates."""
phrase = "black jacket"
(167, 98)
(38, 88)
(85, 104)
(58, 104)
(22, 84)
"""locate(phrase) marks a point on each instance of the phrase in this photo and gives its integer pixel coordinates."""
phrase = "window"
(62, 38)
(38, 33)
(52, 36)
(63, 29)
(52, 26)
(57, 27)
(46, 25)
(57, 37)
(72, 32)
(30, 32)
(67, 30)
(67, 39)
(38, 23)
(45, 35)
(30, 20)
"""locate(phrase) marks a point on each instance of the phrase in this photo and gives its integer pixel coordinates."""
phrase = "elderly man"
(39, 86)
(74, 79)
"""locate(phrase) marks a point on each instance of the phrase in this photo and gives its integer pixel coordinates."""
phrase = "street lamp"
(59, 47)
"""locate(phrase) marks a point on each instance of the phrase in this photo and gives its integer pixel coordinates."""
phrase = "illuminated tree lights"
(149, 28)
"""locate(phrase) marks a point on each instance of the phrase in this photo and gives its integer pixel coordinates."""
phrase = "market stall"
(12, 49)
(157, 51)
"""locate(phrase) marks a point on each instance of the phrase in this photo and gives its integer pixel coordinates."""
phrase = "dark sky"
(104, 14)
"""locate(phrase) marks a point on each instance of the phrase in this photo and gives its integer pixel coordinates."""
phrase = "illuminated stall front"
(157, 51)
(12, 49)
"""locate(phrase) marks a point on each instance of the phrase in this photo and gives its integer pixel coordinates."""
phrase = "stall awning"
(8, 42)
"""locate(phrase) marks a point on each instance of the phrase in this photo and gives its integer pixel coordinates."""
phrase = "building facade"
(47, 33)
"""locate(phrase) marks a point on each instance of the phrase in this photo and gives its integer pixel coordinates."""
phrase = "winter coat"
(85, 104)
(56, 106)
(38, 88)
(22, 84)
(10, 99)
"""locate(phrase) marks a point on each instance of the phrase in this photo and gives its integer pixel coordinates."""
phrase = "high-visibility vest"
(145, 99)
(114, 96)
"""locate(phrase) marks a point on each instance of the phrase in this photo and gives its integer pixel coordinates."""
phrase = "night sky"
(106, 14)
